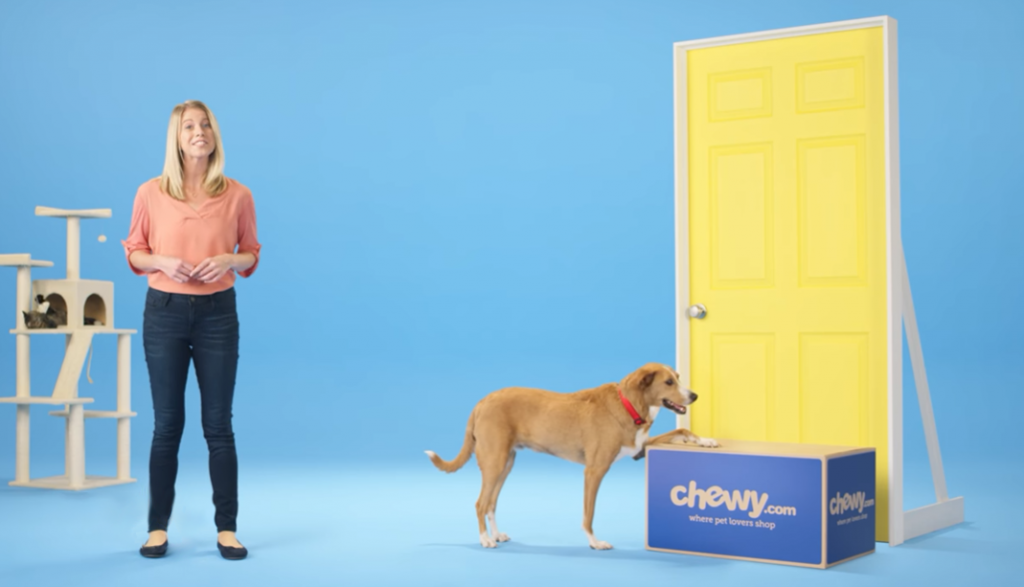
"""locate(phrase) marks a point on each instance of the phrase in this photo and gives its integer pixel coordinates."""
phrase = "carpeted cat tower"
(86, 308)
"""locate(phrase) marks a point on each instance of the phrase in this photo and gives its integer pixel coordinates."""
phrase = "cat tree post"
(67, 421)
(76, 446)
(70, 451)
(124, 408)
(22, 383)
(74, 241)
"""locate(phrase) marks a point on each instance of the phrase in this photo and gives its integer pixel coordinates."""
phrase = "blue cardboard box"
(795, 504)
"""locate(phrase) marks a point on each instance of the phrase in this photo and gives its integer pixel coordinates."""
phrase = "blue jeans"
(203, 329)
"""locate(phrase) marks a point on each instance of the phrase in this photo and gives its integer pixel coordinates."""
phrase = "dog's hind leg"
(593, 473)
(495, 533)
(492, 464)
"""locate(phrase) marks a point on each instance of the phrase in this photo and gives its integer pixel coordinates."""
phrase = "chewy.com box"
(795, 504)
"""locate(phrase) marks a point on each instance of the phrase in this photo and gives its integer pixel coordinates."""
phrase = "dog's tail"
(468, 444)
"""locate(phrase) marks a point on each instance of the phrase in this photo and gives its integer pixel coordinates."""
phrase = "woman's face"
(196, 136)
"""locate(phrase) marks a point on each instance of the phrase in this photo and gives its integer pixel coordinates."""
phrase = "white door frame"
(903, 525)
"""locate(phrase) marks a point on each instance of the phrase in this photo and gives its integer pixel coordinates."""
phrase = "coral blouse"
(162, 225)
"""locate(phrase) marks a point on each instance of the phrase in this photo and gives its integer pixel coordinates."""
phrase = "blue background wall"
(459, 196)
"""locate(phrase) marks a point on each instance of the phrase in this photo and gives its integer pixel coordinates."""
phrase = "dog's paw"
(708, 443)
(487, 542)
(597, 544)
(501, 537)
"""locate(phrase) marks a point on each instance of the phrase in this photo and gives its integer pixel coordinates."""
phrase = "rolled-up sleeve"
(247, 241)
(138, 232)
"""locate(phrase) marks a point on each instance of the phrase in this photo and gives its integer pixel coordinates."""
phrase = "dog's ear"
(647, 380)
(641, 379)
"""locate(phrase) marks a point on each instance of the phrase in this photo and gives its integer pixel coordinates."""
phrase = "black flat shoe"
(154, 551)
(232, 553)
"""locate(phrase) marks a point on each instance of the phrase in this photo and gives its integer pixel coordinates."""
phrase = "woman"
(186, 225)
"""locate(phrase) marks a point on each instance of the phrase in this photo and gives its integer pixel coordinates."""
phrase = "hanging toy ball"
(103, 238)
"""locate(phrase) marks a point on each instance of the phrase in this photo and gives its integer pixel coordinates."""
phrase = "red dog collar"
(629, 408)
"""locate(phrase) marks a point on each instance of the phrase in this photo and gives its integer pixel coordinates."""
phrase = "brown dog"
(593, 427)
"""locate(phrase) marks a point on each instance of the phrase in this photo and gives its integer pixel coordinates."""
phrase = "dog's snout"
(693, 397)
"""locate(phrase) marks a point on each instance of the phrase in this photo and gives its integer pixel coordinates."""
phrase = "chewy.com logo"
(840, 504)
(749, 501)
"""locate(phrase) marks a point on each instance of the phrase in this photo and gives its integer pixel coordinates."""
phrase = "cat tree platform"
(46, 401)
(22, 260)
(62, 330)
(63, 482)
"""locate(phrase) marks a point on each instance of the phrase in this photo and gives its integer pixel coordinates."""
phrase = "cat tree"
(80, 299)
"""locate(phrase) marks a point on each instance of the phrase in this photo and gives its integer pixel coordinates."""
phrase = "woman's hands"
(174, 268)
(213, 268)
(208, 271)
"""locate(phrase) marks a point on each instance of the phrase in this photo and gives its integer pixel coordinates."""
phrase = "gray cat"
(51, 319)
(35, 319)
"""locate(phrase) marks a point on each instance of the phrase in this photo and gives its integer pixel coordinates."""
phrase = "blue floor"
(408, 524)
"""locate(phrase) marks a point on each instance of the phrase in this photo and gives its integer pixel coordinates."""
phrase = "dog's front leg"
(677, 436)
(683, 436)
(593, 473)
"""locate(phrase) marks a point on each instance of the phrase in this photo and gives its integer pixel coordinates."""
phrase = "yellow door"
(787, 241)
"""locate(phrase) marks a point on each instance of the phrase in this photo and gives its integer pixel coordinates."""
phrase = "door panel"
(743, 369)
(787, 242)
(833, 381)
(742, 241)
(831, 204)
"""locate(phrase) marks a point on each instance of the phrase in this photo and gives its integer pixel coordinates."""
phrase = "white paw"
(487, 542)
(708, 443)
(597, 544)
(496, 534)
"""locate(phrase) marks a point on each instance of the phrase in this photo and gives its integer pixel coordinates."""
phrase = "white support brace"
(945, 512)
(932, 517)
(924, 398)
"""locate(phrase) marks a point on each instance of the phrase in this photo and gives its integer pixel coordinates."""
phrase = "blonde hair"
(171, 180)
